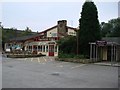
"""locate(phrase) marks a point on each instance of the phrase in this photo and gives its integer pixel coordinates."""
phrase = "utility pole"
(77, 41)
(0, 24)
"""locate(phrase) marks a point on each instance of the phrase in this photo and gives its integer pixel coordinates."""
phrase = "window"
(54, 34)
(35, 48)
(38, 48)
(27, 47)
(41, 48)
(55, 48)
(30, 48)
(46, 48)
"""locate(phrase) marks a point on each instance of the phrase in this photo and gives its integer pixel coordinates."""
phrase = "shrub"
(64, 55)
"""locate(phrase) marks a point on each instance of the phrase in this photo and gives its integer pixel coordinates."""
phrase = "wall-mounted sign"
(51, 42)
(101, 43)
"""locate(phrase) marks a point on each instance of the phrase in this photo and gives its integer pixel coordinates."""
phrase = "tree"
(89, 27)
(67, 45)
(27, 31)
(9, 33)
(105, 29)
(111, 29)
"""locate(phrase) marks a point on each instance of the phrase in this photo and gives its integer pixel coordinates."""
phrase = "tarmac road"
(45, 72)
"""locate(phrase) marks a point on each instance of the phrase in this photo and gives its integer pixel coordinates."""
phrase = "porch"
(105, 51)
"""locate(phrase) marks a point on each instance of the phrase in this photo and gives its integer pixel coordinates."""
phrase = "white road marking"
(44, 59)
(63, 63)
(31, 59)
(60, 66)
(25, 59)
(78, 66)
(39, 60)
(20, 59)
(50, 59)
(43, 63)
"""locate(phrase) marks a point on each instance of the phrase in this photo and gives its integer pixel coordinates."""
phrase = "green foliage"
(64, 55)
(116, 32)
(81, 56)
(67, 44)
(27, 32)
(111, 29)
(89, 27)
(9, 33)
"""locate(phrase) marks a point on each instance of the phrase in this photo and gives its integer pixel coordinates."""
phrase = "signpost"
(101, 43)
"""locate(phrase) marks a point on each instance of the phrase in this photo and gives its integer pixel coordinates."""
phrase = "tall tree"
(89, 27)
(111, 29)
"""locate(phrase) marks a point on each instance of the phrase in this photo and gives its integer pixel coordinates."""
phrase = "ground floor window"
(38, 48)
(43, 48)
(30, 48)
(47, 48)
(50, 48)
(56, 48)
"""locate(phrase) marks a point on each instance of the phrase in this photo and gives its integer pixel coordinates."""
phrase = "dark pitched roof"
(112, 39)
(19, 39)
(48, 29)
(56, 27)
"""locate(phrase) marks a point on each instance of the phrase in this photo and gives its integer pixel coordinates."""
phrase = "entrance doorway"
(51, 50)
(34, 49)
(109, 53)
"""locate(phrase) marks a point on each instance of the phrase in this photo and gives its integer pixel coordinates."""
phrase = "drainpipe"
(112, 54)
(90, 51)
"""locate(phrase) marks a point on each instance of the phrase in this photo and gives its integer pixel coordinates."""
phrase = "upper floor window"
(54, 34)
(72, 33)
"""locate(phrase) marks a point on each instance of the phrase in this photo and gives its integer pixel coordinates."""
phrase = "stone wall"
(85, 61)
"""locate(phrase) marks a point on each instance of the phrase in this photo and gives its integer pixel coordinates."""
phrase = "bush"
(61, 55)
(79, 56)
(64, 55)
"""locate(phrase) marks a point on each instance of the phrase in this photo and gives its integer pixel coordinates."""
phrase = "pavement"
(45, 72)
(114, 64)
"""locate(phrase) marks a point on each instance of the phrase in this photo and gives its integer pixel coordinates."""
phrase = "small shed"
(108, 49)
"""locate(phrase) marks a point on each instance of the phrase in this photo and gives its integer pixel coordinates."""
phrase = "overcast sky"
(39, 16)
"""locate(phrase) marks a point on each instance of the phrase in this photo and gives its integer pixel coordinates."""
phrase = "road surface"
(45, 72)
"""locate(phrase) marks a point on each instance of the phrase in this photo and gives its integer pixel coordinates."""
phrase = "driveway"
(45, 72)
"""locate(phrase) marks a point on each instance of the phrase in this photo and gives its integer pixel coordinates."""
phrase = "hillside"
(9, 33)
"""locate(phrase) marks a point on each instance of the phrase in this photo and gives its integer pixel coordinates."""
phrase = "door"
(109, 53)
(34, 49)
(51, 50)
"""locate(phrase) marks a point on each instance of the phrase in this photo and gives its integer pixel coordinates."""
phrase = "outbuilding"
(108, 49)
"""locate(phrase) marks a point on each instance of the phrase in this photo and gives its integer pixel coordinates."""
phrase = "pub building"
(108, 49)
(43, 42)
